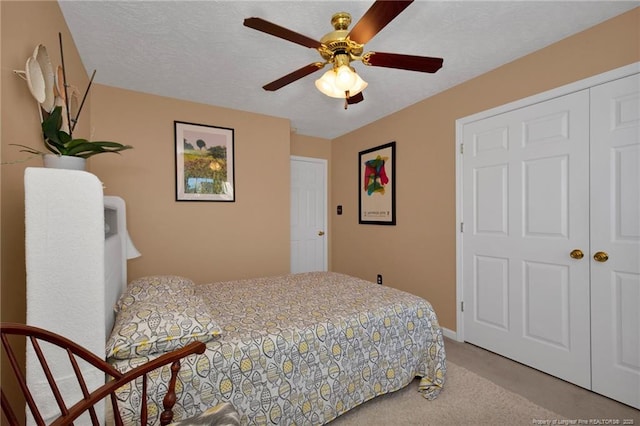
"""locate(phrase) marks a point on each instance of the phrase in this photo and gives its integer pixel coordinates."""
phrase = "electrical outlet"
(379, 279)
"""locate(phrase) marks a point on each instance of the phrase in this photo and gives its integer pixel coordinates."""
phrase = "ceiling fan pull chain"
(346, 99)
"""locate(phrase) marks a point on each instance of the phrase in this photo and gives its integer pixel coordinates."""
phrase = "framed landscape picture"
(377, 185)
(204, 162)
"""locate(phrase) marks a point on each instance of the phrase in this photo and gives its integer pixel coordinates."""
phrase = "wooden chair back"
(12, 333)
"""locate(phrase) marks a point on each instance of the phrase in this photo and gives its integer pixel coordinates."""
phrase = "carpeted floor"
(577, 404)
(484, 388)
(466, 399)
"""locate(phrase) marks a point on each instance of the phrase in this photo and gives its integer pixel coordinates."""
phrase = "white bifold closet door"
(526, 204)
(551, 245)
(615, 230)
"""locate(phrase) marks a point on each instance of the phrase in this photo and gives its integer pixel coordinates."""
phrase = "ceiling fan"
(342, 46)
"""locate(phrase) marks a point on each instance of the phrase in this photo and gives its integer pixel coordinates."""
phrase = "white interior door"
(525, 204)
(615, 230)
(308, 214)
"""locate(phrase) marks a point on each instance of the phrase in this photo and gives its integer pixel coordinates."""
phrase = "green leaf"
(111, 150)
(28, 149)
(107, 144)
(75, 142)
(52, 150)
(59, 142)
(52, 124)
(64, 137)
(54, 146)
(84, 147)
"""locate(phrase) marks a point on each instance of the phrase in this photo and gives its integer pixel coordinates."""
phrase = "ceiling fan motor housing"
(337, 42)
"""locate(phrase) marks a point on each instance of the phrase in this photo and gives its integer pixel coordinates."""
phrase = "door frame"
(325, 196)
(461, 122)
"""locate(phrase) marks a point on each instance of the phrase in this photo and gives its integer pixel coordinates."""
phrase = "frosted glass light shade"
(329, 85)
(358, 86)
(345, 78)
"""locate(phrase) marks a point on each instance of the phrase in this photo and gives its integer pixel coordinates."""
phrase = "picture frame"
(377, 185)
(204, 162)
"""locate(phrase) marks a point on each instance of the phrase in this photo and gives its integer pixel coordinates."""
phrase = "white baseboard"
(449, 333)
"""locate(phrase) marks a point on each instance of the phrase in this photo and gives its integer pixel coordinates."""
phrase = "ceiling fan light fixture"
(341, 46)
(345, 78)
(327, 85)
(358, 86)
(336, 85)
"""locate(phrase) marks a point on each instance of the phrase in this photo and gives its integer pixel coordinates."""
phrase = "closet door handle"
(576, 254)
(601, 256)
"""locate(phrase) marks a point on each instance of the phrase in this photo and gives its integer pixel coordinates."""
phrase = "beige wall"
(206, 241)
(309, 146)
(26, 24)
(418, 255)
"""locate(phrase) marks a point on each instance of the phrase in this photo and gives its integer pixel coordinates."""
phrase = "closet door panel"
(525, 209)
(615, 230)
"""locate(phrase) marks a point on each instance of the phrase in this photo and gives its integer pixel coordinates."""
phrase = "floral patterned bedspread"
(304, 348)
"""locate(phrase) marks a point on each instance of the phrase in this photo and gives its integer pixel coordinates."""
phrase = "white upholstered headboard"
(76, 242)
(76, 254)
(65, 264)
(64, 241)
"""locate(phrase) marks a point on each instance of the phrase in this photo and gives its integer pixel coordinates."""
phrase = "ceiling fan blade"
(282, 32)
(355, 99)
(291, 77)
(376, 18)
(404, 62)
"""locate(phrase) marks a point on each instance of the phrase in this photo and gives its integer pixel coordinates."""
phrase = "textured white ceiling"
(200, 50)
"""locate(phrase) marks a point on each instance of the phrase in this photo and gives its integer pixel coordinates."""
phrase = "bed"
(295, 349)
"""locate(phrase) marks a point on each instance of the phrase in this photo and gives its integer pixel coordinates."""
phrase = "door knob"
(321, 233)
(576, 254)
(601, 256)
